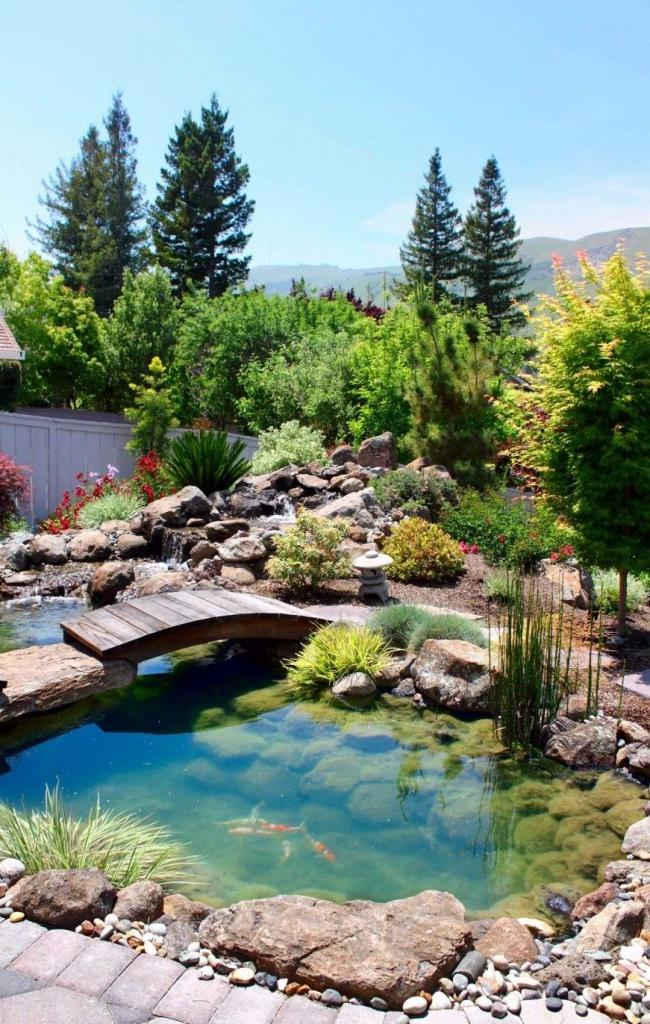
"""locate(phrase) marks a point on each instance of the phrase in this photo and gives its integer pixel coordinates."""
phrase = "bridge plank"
(90, 634)
(169, 611)
(124, 630)
(220, 603)
(197, 604)
(130, 613)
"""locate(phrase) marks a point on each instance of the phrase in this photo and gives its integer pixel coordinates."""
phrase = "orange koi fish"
(321, 849)
(268, 826)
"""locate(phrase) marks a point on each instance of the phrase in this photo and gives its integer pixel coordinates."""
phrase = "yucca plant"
(118, 505)
(207, 460)
(127, 849)
(334, 651)
(532, 671)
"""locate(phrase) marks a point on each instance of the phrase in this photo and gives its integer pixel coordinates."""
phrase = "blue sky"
(338, 105)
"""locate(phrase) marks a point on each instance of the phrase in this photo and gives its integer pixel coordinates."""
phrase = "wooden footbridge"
(149, 626)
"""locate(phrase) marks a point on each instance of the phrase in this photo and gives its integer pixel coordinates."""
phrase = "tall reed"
(532, 673)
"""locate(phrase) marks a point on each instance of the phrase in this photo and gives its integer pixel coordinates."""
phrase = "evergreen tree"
(493, 267)
(94, 209)
(126, 208)
(200, 215)
(432, 253)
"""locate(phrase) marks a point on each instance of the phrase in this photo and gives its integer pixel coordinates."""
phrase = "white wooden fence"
(56, 448)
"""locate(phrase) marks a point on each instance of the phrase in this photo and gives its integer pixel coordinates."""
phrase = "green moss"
(621, 816)
(536, 832)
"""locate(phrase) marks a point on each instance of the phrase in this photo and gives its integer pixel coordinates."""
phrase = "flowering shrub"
(150, 478)
(468, 549)
(423, 551)
(564, 553)
(89, 487)
(13, 490)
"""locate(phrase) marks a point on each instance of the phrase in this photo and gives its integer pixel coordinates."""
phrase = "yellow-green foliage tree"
(594, 450)
(152, 412)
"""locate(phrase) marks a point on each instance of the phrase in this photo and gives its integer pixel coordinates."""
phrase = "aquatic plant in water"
(334, 651)
(125, 848)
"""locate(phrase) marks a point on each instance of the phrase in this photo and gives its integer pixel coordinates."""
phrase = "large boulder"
(64, 898)
(242, 548)
(41, 678)
(311, 483)
(636, 757)
(165, 583)
(378, 452)
(453, 674)
(89, 546)
(47, 549)
(108, 580)
(361, 507)
(636, 840)
(506, 937)
(131, 545)
(141, 901)
(593, 902)
(355, 688)
(222, 529)
(573, 583)
(616, 924)
(589, 744)
(180, 908)
(176, 509)
(14, 552)
(391, 950)
(342, 454)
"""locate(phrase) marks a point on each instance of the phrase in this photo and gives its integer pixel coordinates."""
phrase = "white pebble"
(205, 973)
(415, 1006)
(242, 976)
(150, 949)
(440, 1001)
(513, 1002)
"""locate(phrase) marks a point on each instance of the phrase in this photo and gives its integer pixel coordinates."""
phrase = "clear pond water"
(389, 801)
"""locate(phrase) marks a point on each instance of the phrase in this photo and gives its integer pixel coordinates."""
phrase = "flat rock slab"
(638, 682)
(42, 678)
(362, 949)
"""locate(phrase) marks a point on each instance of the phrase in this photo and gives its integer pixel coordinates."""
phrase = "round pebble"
(581, 1011)
(379, 1004)
(331, 997)
(553, 1004)
(242, 976)
(499, 1010)
(205, 973)
(16, 916)
(415, 1006)
(513, 1002)
(440, 1001)
(484, 1003)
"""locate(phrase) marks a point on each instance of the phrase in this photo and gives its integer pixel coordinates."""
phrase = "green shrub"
(407, 489)
(289, 443)
(423, 552)
(119, 505)
(497, 585)
(308, 555)
(606, 591)
(207, 460)
(514, 533)
(152, 412)
(124, 847)
(406, 627)
(447, 626)
(334, 651)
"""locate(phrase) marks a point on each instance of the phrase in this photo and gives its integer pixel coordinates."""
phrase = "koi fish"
(269, 826)
(321, 849)
(248, 830)
(252, 819)
(287, 850)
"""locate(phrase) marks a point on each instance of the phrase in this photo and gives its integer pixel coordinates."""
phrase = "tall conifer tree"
(201, 213)
(432, 253)
(95, 209)
(494, 270)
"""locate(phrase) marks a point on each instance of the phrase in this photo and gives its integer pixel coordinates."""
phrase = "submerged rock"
(391, 950)
(64, 898)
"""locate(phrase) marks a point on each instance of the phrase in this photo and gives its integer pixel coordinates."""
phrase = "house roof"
(9, 347)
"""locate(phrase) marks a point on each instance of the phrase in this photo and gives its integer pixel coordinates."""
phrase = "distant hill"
(372, 282)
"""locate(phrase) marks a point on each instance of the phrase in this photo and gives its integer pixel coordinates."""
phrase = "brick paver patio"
(60, 977)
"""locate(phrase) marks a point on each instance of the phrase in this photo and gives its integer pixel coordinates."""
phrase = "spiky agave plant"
(207, 460)
(127, 849)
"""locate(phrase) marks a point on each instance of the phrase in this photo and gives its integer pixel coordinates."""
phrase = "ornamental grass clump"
(335, 651)
(531, 669)
(423, 552)
(126, 848)
(406, 627)
(118, 505)
(308, 554)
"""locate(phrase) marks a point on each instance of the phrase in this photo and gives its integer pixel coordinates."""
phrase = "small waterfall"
(176, 544)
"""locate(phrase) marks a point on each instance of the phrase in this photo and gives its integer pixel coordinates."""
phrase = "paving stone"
(451, 1017)
(164, 1020)
(125, 1015)
(253, 1005)
(97, 967)
(299, 1010)
(12, 982)
(191, 1000)
(569, 1016)
(352, 1014)
(46, 958)
(53, 1006)
(14, 938)
(144, 982)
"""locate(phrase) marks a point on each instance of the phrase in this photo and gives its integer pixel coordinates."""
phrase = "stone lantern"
(372, 582)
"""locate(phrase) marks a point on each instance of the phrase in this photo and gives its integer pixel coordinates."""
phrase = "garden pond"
(377, 804)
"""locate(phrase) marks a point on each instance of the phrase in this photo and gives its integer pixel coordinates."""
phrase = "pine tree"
(432, 253)
(126, 208)
(200, 215)
(95, 207)
(493, 268)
